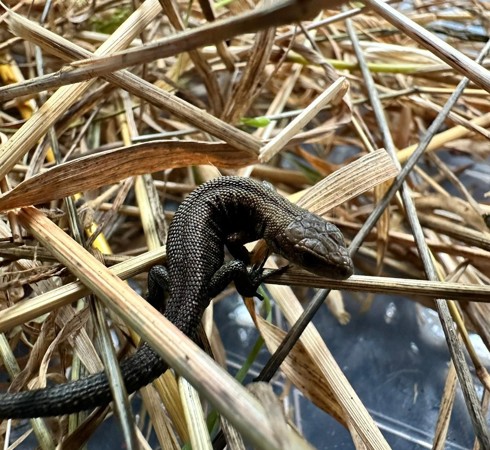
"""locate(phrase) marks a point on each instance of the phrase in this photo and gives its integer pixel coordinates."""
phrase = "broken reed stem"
(29, 309)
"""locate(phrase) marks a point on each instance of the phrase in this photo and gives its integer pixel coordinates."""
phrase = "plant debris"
(113, 112)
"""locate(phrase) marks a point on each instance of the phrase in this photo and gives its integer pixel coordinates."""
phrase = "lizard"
(227, 211)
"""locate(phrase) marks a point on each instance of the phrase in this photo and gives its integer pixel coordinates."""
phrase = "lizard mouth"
(346, 268)
(337, 265)
(342, 269)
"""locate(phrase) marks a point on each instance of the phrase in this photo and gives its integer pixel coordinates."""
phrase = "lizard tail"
(137, 371)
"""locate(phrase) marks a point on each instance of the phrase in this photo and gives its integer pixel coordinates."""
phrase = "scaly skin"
(225, 211)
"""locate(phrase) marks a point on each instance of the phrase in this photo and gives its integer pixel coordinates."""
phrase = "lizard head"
(315, 245)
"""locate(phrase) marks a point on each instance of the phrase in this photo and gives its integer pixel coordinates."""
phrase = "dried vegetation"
(188, 91)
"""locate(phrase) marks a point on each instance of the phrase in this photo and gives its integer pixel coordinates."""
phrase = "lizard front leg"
(246, 281)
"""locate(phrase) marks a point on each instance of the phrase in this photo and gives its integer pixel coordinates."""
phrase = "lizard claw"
(258, 276)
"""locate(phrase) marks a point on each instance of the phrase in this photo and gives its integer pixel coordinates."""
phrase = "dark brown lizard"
(226, 211)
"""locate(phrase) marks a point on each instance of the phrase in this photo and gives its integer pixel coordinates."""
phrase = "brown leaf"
(301, 370)
(93, 171)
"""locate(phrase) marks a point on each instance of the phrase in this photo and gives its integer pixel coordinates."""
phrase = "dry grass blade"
(445, 409)
(265, 394)
(461, 232)
(300, 369)
(331, 95)
(44, 117)
(443, 138)
(29, 309)
(348, 182)
(199, 435)
(476, 73)
(68, 51)
(396, 286)
(442, 307)
(285, 11)
(90, 172)
(253, 76)
(202, 66)
(355, 412)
